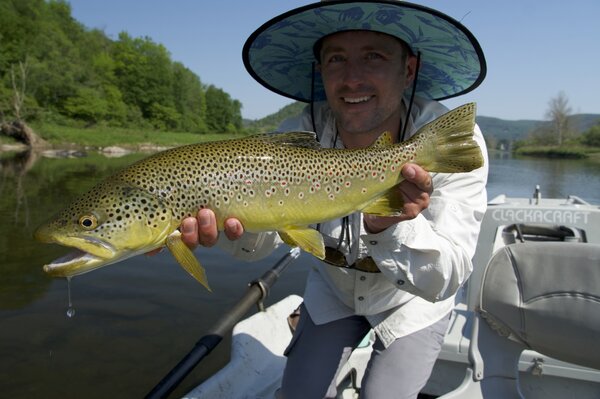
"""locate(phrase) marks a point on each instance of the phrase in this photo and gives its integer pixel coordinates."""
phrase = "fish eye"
(88, 222)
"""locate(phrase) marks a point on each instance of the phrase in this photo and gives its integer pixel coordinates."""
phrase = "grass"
(103, 136)
(565, 151)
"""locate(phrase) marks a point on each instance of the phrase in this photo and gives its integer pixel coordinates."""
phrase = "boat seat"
(543, 296)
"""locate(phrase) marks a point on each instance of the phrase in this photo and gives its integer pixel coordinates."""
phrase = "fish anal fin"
(309, 240)
(185, 257)
(389, 204)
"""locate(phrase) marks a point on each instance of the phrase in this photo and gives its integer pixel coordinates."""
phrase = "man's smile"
(357, 100)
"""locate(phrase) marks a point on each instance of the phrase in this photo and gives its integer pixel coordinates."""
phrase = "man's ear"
(411, 70)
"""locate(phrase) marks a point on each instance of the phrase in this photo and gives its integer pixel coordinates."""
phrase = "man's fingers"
(203, 229)
(189, 232)
(233, 229)
(207, 228)
(418, 176)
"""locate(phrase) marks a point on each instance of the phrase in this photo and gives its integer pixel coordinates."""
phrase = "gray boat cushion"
(547, 296)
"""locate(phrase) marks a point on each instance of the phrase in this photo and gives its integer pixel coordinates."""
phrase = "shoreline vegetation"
(110, 139)
(56, 137)
(563, 152)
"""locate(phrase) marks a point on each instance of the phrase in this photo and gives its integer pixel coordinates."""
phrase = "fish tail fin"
(446, 145)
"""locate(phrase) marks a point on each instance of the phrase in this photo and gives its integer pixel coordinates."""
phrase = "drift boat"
(526, 324)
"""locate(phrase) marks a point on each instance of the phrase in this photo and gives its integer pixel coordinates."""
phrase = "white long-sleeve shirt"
(423, 261)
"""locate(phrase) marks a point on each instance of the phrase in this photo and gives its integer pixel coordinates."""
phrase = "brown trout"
(272, 182)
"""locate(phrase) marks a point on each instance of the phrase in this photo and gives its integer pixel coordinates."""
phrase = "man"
(398, 275)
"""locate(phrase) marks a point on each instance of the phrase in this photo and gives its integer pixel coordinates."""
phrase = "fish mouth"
(88, 254)
(74, 263)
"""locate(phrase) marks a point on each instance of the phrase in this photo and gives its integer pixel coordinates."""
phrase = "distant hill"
(270, 122)
(507, 130)
(496, 128)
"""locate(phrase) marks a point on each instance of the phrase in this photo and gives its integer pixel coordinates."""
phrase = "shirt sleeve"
(430, 256)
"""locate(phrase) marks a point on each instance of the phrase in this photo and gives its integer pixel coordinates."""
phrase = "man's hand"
(202, 230)
(415, 191)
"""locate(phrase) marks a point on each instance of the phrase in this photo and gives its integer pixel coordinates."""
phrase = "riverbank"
(103, 137)
(563, 152)
(114, 140)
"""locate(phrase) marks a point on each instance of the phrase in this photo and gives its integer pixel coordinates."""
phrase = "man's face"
(364, 74)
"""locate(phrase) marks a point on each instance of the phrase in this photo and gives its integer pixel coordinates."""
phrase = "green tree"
(164, 117)
(87, 104)
(144, 75)
(592, 136)
(222, 114)
(189, 98)
(19, 28)
(104, 80)
(79, 73)
(57, 69)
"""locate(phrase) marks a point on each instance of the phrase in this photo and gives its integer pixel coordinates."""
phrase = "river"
(133, 321)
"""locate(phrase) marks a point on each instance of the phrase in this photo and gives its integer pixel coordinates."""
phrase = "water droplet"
(71, 309)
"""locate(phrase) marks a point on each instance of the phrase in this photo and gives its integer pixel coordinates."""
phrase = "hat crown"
(280, 56)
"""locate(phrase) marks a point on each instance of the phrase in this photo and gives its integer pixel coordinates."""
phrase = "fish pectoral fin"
(185, 257)
(310, 240)
(389, 204)
(384, 140)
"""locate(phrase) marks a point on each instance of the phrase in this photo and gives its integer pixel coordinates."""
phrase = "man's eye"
(374, 56)
(335, 58)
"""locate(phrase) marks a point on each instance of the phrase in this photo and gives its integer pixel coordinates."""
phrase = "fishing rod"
(257, 291)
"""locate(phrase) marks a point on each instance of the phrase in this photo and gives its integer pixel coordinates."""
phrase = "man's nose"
(353, 72)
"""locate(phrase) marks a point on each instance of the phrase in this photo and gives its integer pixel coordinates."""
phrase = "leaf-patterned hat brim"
(279, 54)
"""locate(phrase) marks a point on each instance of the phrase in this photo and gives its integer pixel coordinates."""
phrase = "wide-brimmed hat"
(280, 56)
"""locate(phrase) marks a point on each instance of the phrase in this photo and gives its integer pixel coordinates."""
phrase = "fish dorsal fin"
(302, 139)
(384, 140)
(389, 204)
(309, 240)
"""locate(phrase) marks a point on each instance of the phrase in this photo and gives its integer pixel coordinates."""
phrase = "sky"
(534, 49)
